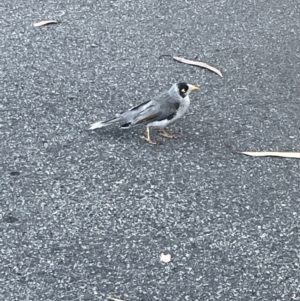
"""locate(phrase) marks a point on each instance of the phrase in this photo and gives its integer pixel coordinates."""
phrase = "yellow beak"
(193, 88)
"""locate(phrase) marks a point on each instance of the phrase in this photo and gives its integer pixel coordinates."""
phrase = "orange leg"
(148, 138)
(164, 133)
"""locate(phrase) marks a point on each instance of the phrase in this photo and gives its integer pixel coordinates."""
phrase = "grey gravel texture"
(85, 215)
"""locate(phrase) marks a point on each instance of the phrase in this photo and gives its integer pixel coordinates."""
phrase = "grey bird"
(157, 112)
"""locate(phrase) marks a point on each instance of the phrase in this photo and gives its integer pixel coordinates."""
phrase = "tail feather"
(100, 124)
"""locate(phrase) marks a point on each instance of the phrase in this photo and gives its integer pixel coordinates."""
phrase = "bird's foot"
(164, 133)
(149, 140)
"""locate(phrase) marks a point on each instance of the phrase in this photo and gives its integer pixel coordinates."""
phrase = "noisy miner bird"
(157, 112)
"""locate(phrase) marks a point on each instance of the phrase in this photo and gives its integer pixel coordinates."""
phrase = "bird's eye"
(183, 90)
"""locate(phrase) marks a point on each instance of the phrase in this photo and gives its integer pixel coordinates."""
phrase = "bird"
(159, 112)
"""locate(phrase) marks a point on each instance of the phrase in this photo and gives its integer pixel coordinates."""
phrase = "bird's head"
(182, 89)
(185, 89)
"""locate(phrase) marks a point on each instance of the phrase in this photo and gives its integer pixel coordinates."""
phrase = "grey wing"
(131, 116)
(159, 108)
(164, 107)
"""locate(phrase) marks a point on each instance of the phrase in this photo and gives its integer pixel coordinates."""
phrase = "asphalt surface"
(85, 215)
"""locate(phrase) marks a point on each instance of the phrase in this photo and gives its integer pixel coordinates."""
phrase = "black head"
(183, 89)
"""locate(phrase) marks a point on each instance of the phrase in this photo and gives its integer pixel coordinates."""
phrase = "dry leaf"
(272, 154)
(114, 299)
(47, 22)
(242, 88)
(165, 257)
(197, 63)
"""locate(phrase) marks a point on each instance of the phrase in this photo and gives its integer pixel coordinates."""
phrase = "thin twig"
(197, 63)
(293, 155)
(47, 22)
(114, 299)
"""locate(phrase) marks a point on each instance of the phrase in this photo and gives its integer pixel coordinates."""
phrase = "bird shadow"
(118, 135)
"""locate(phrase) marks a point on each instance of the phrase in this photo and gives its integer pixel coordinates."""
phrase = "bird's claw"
(168, 135)
(149, 140)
